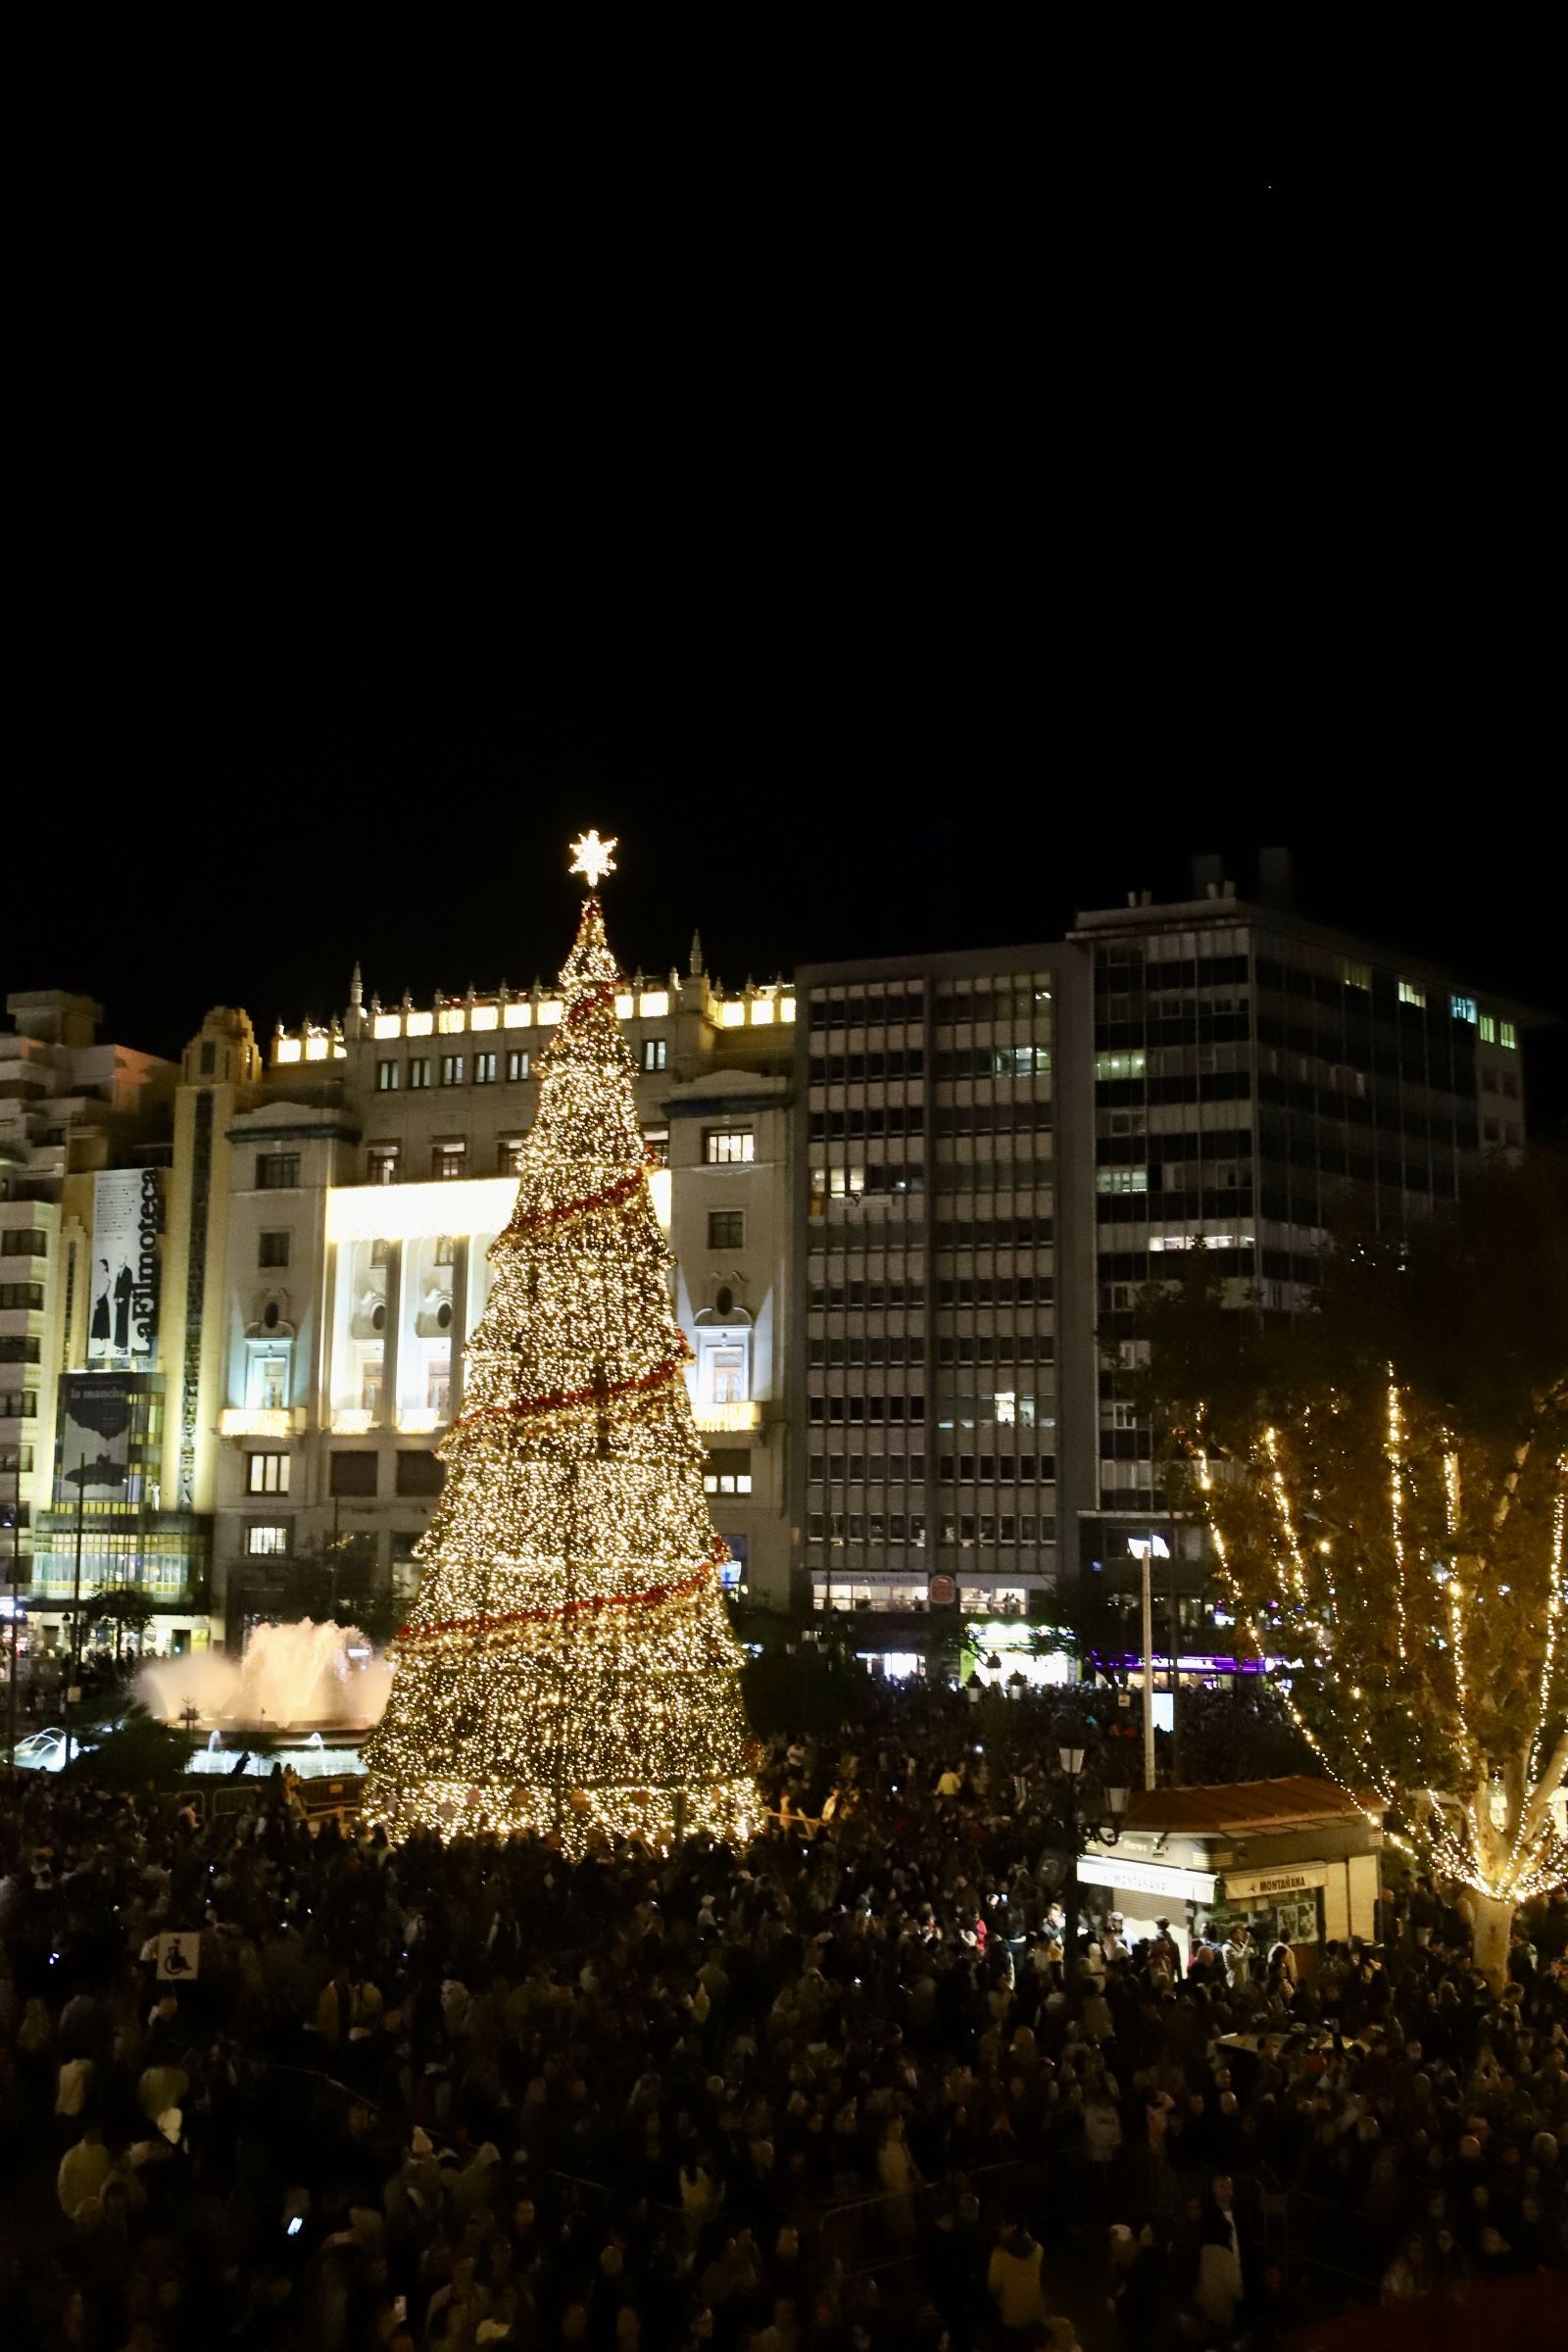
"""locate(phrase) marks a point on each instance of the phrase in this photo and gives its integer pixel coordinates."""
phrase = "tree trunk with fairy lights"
(569, 1669)
(1386, 1482)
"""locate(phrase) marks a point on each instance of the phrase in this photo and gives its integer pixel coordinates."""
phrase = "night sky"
(903, 573)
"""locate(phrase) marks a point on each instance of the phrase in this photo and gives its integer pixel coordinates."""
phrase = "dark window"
(381, 1163)
(354, 1473)
(277, 1171)
(726, 1228)
(419, 1474)
(271, 1249)
(209, 1058)
(24, 1244)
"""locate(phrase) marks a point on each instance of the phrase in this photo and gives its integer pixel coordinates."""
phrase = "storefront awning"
(1147, 1878)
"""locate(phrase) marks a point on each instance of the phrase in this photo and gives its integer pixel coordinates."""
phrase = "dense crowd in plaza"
(829, 2093)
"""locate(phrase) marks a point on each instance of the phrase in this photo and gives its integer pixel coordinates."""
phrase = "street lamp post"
(16, 1613)
(1107, 1827)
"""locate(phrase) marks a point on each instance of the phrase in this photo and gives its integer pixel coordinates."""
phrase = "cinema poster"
(127, 1216)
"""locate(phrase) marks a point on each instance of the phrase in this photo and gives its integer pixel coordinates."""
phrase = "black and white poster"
(127, 1215)
(93, 1452)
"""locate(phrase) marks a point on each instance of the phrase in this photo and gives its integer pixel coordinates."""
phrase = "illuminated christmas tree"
(569, 1668)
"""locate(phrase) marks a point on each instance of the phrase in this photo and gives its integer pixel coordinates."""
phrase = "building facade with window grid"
(935, 1453)
(1252, 1070)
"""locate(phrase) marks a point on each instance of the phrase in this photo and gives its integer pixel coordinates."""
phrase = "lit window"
(655, 1052)
(484, 1069)
(1487, 1027)
(733, 1012)
(1410, 993)
(727, 1146)
(1121, 1180)
(653, 1003)
(419, 1024)
(549, 1012)
(727, 1375)
(1119, 1066)
(657, 1141)
(1463, 1009)
(1508, 1036)
(452, 1020)
(482, 1016)
(517, 1016)
(446, 1250)
(1358, 975)
(452, 1069)
(509, 1154)
(267, 1473)
(387, 1024)
(267, 1542)
(272, 1383)
(420, 1070)
(449, 1160)
(381, 1163)
(519, 1064)
(388, 1077)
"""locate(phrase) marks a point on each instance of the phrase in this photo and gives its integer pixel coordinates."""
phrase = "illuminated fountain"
(310, 1691)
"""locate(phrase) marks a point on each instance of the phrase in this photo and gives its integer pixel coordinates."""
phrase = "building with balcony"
(85, 1154)
(363, 1186)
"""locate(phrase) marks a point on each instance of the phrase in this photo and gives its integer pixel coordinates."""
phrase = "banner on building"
(93, 1451)
(128, 1215)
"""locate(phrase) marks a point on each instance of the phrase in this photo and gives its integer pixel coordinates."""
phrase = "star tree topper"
(591, 858)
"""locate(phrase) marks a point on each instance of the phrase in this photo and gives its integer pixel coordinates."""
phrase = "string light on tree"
(569, 1668)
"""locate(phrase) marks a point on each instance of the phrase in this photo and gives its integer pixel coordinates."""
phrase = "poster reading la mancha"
(127, 1215)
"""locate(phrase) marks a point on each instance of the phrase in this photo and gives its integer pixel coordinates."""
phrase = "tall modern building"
(1252, 1070)
(940, 1447)
(995, 1152)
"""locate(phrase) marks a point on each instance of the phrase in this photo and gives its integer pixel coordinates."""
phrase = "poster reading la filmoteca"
(127, 1215)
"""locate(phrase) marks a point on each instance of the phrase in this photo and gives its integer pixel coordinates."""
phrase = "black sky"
(909, 561)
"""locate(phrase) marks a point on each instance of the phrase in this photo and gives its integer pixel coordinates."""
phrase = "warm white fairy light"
(591, 858)
(569, 1667)
(1494, 1830)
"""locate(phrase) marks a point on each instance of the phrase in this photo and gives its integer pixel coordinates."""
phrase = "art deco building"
(363, 1187)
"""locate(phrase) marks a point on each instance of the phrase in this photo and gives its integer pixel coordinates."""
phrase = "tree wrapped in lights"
(569, 1668)
(1385, 1482)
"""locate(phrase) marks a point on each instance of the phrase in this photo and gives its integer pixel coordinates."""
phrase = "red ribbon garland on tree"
(621, 1190)
(563, 1401)
(651, 1598)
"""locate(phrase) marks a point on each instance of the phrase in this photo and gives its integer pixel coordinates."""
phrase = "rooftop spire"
(694, 962)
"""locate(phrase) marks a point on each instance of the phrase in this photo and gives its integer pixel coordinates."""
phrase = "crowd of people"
(838, 2090)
